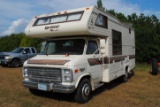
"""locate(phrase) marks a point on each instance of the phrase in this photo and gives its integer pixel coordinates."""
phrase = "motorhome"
(85, 48)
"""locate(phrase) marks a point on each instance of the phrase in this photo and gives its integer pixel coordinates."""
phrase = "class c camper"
(85, 48)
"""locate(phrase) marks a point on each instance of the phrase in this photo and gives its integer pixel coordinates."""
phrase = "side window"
(26, 51)
(92, 47)
(129, 30)
(102, 21)
(33, 50)
(117, 42)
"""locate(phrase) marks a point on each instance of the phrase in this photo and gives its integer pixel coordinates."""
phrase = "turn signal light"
(76, 71)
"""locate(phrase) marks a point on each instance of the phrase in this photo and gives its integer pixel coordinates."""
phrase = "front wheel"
(154, 66)
(15, 63)
(83, 92)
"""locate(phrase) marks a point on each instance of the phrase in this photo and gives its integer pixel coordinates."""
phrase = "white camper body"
(97, 48)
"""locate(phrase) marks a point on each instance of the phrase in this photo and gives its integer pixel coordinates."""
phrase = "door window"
(26, 51)
(92, 47)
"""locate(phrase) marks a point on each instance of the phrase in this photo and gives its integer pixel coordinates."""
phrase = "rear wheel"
(83, 93)
(154, 66)
(15, 63)
(124, 78)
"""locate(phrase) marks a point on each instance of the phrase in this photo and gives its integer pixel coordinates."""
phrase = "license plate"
(42, 87)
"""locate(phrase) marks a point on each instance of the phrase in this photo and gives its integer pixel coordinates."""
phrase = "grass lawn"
(142, 90)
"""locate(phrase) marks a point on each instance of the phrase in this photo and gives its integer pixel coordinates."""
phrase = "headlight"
(7, 57)
(67, 71)
(25, 72)
(67, 75)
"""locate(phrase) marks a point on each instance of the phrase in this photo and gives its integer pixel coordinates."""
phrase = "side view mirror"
(24, 52)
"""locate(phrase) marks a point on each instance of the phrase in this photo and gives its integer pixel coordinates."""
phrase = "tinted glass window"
(102, 21)
(18, 50)
(67, 46)
(92, 47)
(33, 51)
(117, 42)
(27, 50)
(59, 18)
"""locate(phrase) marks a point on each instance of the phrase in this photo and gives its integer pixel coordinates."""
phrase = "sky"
(16, 14)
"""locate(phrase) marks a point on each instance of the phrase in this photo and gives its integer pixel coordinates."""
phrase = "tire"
(154, 66)
(4, 65)
(83, 92)
(15, 63)
(124, 78)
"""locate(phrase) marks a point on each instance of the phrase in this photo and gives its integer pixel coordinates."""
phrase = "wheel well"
(16, 59)
(126, 68)
(84, 77)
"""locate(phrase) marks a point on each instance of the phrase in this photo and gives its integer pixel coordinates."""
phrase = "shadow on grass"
(112, 84)
(56, 96)
(70, 97)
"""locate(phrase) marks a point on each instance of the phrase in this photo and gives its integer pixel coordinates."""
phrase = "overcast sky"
(16, 14)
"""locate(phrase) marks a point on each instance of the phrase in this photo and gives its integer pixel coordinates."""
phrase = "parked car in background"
(16, 57)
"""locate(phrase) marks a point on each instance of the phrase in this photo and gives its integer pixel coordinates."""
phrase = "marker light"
(87, 8)
(59, 13)
(76, 70)
(65, 12)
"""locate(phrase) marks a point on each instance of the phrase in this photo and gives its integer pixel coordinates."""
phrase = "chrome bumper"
(50, 87)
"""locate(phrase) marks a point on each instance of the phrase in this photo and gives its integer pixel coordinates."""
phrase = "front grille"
(44, 74)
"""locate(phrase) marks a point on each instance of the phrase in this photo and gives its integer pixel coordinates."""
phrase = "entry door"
(94, 60)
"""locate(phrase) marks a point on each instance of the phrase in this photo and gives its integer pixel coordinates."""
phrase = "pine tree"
(100, 5)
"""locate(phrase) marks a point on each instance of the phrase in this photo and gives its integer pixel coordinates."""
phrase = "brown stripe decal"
(94, 61)
(48, 62)
(108, 60)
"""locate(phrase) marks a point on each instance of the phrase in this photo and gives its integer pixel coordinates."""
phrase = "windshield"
(18, 50)
(68, 46)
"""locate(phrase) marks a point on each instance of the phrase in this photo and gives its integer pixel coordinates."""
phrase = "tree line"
(147, 35)
(10, 42)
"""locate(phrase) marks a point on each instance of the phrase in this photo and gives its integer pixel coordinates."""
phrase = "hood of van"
(50, 59)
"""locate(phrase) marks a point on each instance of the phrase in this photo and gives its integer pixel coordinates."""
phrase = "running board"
(99, 85)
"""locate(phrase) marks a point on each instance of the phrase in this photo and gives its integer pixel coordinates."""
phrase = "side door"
(93, 56)
(25, 54)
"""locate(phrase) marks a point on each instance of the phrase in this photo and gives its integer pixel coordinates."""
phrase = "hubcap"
(86, 90)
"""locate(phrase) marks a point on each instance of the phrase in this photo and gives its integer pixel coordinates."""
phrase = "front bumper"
(5, 62)
(49, 86)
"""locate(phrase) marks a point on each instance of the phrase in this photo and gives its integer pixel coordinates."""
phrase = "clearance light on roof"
(35, 17)
(59, 13)
(87, 8)
(66, 55)
(65, 12)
